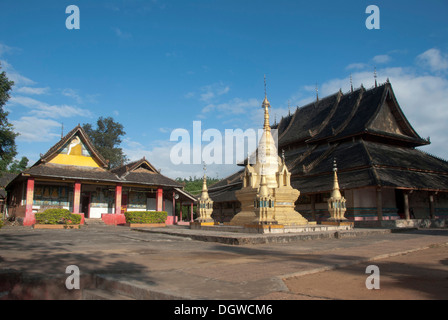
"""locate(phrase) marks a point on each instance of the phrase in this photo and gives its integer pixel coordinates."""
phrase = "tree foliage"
(106, 138)
(8, 149)
(194, 185)
(18, 166)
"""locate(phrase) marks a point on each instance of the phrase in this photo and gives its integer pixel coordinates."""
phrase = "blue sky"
(160, 65)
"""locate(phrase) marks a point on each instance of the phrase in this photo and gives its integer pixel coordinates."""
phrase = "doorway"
(399, 200)
(85, 204)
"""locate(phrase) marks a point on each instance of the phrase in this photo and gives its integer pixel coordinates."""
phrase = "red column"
(159, 199)
(191, 210)
(174, 208)
(29, 215)
(180, 214)
(118, 192)
(77, 197)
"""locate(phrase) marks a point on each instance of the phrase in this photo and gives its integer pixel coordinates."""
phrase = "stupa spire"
(266, 105)
(336, 193)
(204, 194)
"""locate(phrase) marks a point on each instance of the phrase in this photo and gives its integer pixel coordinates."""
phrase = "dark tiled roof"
(143, 172)
(5, 178)
(134, 174)
(131, 166)
(307, 119)
(324, 183)
(341, 115)
(71, 172)
(151, 178)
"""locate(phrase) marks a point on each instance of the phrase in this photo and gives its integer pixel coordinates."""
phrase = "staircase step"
(93, 221)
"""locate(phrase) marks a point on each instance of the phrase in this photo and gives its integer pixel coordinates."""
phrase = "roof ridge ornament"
(351, 83)
(374, 75)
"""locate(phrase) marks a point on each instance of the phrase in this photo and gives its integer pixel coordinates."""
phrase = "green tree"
(194, 185)
(106, 138)
(8, 148)
(18, 166)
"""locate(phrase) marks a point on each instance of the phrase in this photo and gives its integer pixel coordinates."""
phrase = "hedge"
(57, 216)
(146, 216)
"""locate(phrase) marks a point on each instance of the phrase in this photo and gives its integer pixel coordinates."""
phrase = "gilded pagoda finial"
(265, 94)
(266, 105)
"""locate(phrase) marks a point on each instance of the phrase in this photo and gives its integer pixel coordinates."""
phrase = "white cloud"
(15, 76)
(61, 111)
(34, 129)
(31, 90)
(212, 91)
(25, 101)
(356, 66)
(189, 95)
(234, 106)
(383, 58)
(434, 60)
(50, 111)
(121, 34)
(72, 94)
(6, 49)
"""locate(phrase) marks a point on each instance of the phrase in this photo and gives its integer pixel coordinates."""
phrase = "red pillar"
(77, 197)
(180, 214)
(191, 210)
(174, 208)
(29, 215)
(159, 199)
(118, 193)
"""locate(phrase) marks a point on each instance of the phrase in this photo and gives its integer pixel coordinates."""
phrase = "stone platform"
(236, 235)
(277, 229)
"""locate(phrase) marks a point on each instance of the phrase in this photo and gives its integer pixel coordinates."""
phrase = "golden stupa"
(267, 180)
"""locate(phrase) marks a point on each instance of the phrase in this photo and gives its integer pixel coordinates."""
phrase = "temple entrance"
(85, 204)
(399, 200)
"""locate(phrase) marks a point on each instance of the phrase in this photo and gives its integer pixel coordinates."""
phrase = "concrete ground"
(168, 264)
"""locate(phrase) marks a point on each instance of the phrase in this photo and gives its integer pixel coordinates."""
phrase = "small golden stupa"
(336, 203)
(205, 205)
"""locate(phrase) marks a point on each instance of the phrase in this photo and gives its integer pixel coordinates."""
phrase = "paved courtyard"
(413, 264)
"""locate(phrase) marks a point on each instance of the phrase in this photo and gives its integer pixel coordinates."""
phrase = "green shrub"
(1, 223)
(146, 216)
(57, 216)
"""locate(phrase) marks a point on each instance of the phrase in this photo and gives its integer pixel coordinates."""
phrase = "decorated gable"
(75, 153)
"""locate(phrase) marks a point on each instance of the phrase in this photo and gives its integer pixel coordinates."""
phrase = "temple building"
(382, 175)
(74, 176)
